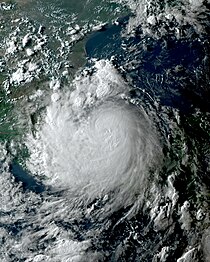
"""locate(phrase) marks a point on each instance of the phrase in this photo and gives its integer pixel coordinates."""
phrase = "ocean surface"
(104, 131)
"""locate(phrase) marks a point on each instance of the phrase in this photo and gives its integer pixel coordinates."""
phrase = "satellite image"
(105, 131)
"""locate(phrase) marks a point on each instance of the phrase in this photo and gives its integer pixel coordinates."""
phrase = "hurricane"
(95, 143)
(104, 131)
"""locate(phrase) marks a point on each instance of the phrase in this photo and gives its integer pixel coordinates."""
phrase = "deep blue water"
(170, 65)
(27, 180)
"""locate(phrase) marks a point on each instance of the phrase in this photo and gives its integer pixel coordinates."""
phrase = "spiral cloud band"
(94, 143)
